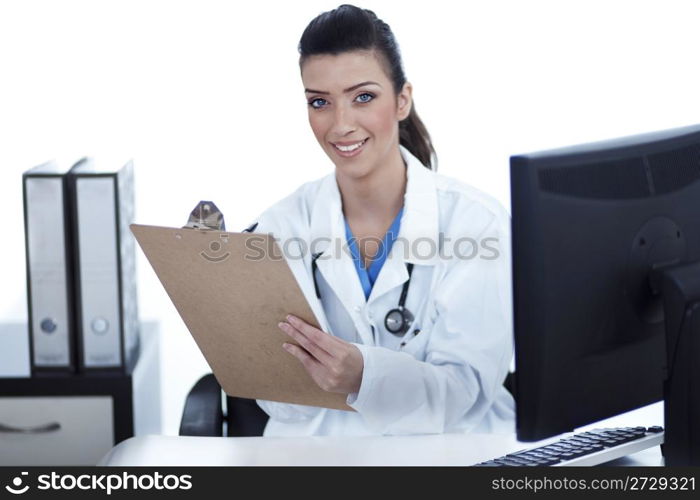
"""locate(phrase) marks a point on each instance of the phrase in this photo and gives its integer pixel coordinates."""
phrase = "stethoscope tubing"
(401, 311)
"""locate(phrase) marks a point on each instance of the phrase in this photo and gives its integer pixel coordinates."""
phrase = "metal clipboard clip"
(206, 215)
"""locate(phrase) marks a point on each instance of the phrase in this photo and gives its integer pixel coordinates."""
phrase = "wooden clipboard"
(231, 290)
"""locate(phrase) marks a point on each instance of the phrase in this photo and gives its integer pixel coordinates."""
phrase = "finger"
(317, 372)
(314, 349)
(331, 344)
(310, 364)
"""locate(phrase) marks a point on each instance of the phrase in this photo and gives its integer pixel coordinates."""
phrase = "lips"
(349, 149)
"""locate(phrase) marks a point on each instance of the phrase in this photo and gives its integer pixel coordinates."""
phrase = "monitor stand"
(679, 286)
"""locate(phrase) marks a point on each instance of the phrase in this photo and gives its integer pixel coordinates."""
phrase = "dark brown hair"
(349, 28)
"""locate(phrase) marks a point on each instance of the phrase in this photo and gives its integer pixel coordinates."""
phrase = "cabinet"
(77, 419)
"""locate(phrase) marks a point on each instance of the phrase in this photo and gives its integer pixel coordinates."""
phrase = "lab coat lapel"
(417, 241)
(392, 274)
(335, 264)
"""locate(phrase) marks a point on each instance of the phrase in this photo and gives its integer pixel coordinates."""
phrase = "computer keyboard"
(585, 448)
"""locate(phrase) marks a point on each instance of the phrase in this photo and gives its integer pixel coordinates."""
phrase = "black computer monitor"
(606, 284)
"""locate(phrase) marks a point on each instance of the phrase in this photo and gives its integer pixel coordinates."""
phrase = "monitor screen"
(590, 224)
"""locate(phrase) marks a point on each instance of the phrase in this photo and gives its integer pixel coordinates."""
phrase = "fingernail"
(285, 346)
(281, 325)
(290, 318)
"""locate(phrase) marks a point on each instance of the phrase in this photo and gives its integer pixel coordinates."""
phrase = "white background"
(205, 96)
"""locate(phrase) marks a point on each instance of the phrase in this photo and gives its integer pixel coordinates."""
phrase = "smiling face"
(353, 110)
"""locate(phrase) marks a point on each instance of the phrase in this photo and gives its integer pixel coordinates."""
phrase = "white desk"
(435, 450)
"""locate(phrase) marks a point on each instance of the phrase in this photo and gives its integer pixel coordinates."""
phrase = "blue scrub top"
(369, 276)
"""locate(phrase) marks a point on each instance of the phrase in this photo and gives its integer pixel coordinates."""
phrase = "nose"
(343, 121)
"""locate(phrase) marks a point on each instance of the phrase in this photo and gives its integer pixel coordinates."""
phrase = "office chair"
(204, 414)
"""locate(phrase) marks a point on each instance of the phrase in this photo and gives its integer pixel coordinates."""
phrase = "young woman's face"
(353, 110)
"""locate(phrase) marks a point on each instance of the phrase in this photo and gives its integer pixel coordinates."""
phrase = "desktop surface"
(420, 450)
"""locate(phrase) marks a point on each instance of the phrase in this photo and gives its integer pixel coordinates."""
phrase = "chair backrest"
(509, 383)
(244, 417)
(202, 414)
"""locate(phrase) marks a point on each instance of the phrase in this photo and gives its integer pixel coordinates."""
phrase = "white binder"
(49, 268)
(105, 269)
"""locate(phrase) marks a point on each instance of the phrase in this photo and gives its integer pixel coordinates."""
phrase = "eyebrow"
(349, 89)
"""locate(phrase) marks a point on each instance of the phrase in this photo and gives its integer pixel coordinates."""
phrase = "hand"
(335, 365)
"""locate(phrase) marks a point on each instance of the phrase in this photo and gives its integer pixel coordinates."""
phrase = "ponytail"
(414, 136)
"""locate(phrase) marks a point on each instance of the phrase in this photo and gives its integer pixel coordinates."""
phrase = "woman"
(424, 345)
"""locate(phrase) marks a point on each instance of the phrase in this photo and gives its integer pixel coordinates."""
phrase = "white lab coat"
(447, 378)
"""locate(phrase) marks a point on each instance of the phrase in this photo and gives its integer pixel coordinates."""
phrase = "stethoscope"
(396, 321)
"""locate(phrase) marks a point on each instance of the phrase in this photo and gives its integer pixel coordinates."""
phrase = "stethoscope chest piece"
(398, 321)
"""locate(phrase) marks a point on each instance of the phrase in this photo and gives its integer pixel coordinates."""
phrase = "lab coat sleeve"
(467, 355)
(286, 412)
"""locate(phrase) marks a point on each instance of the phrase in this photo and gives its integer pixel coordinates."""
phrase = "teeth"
(352, 147)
